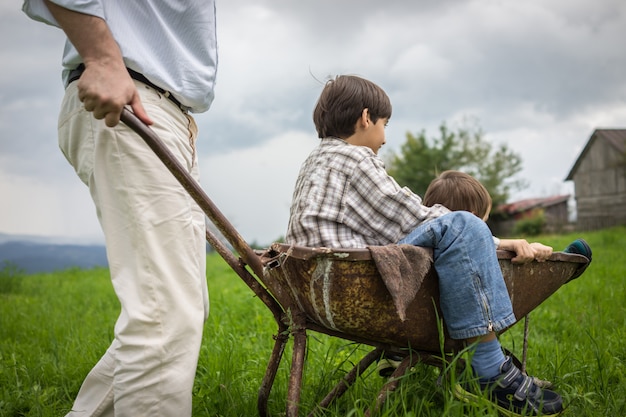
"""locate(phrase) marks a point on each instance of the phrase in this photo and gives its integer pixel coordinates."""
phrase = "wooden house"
(599, 176)
(553, 209)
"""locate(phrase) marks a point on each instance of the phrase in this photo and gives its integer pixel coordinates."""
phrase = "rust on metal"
(343, 291)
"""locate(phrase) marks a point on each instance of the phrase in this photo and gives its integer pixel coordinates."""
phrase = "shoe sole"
(461, 394)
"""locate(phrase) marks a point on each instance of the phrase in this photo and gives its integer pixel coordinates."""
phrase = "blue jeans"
(473, 296)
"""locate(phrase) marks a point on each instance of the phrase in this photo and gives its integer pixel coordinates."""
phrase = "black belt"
(78, 71)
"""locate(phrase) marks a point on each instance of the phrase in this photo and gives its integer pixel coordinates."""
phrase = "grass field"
(54, 327)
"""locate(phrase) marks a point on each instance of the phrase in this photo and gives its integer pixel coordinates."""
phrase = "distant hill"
(32, 256)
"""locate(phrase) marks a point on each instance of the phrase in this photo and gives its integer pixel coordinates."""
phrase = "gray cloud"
(539, 76)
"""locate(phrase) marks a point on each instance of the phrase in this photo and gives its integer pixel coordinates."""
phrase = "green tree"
(421, 159)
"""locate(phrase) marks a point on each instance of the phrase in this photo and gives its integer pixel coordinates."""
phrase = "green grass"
(54, 327)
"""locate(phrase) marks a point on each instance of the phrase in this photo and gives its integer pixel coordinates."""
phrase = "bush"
(531, 226)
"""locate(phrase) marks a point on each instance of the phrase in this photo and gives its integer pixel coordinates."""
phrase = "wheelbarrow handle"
(194, 190)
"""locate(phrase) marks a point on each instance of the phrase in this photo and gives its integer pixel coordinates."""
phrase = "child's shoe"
(513, 393)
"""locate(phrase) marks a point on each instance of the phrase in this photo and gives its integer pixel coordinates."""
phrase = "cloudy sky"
(537, 75)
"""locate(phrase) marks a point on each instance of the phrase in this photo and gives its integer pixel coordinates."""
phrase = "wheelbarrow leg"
(272, 367)
(348, 380)
(297, 368)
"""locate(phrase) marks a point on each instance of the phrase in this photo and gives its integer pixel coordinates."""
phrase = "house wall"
(600, 184)
(556, 217)
(501, 228)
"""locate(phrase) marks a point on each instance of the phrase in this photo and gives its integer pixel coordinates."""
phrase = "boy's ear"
(363, 121)
(365, 117)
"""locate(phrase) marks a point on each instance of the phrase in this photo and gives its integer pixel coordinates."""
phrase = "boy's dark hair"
(342, 102)
(457, 190)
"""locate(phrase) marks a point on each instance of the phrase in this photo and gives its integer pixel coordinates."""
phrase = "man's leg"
(155, 244)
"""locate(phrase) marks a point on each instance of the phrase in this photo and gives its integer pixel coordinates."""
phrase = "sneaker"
(387, 364)
(579, 247)
(513, 393)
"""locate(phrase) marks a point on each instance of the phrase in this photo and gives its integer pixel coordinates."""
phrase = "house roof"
(614, 137)
(532, 203)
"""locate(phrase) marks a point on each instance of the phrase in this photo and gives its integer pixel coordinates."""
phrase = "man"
(160, 59)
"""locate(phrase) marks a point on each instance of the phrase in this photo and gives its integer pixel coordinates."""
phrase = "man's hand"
(105, 87)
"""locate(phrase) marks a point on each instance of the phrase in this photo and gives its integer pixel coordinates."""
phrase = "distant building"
(599, 176)
(554, 210)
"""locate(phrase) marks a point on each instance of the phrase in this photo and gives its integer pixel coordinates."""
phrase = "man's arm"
(105, 87)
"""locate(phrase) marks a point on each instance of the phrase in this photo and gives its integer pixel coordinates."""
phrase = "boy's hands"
(542, 252)
(524, 251)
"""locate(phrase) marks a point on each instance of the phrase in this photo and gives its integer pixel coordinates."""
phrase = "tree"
(420, 160)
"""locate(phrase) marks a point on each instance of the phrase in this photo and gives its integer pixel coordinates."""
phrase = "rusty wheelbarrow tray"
(339, 292)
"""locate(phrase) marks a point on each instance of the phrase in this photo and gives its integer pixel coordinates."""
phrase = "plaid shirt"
(344, 198)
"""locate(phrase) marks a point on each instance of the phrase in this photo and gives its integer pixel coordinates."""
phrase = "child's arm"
(525, 252)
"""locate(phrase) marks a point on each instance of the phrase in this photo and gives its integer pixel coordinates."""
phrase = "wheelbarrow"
(340, 293)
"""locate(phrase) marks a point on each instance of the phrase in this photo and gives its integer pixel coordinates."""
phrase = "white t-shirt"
(173, 43)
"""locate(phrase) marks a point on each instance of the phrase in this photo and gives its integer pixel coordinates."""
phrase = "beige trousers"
(155, 239)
